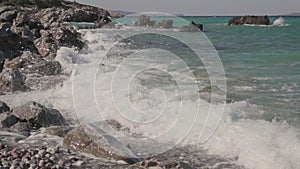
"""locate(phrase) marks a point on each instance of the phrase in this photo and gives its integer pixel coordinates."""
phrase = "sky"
(202, 7)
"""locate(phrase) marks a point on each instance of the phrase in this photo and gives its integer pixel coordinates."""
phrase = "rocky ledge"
(31, 32)
(252, 20)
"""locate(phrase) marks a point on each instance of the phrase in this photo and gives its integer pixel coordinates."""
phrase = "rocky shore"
(33, 135)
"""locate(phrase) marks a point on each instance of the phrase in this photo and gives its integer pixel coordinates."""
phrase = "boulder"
(11, 80)
(38, 115)
(4, 107)
(27, 59)
(48, 68)
(7, 120)
(78, 140)
(13, 40)
(253, 20)
(144, 20)
(23, 128)
(166, 24)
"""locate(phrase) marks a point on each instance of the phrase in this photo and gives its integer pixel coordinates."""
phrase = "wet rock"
(4, 107)
(24, 128)
(253, 20)
(7, 120)
(192, 27)
(38, 115)
(167, 24)
(60, 131)
(78, 140)
(11, 80)
(144, 20)
(26, 60)
(48, 68)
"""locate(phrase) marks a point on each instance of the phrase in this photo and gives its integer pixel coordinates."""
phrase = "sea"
(231, 90)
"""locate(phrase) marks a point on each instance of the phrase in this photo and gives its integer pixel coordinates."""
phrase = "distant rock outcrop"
(192, 27)
(252, 20)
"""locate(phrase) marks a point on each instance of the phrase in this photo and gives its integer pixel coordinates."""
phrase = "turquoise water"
(262, 64)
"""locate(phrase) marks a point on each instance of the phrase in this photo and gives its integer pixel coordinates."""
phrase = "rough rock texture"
(253, 20)
(38, 115)
(11, 80)
(4, 107)
(23, 128)
(166, 24)
(7, 120)
(144, 20)
(78, 140)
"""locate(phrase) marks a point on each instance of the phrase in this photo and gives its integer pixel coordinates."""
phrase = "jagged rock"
(144, 20)
(8, 13)
(79, 15)
(78, 140)
(4, 107)
(23, 128)
(11, 80)
(166, 24)
(38, 115)
(7, 120)
(11, 42)
(67, 37)
(49, 68)
(27, 59)
(192, 27)
(253, 20)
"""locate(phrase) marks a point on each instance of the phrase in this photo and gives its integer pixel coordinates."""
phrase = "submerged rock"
(253, 20)
(38, 115)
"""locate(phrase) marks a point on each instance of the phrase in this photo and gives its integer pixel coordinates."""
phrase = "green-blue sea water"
(262, 63)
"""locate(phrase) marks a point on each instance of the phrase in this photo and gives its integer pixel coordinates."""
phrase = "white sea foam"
(258, 144)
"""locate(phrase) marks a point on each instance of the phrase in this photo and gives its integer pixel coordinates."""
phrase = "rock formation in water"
(252, 20)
